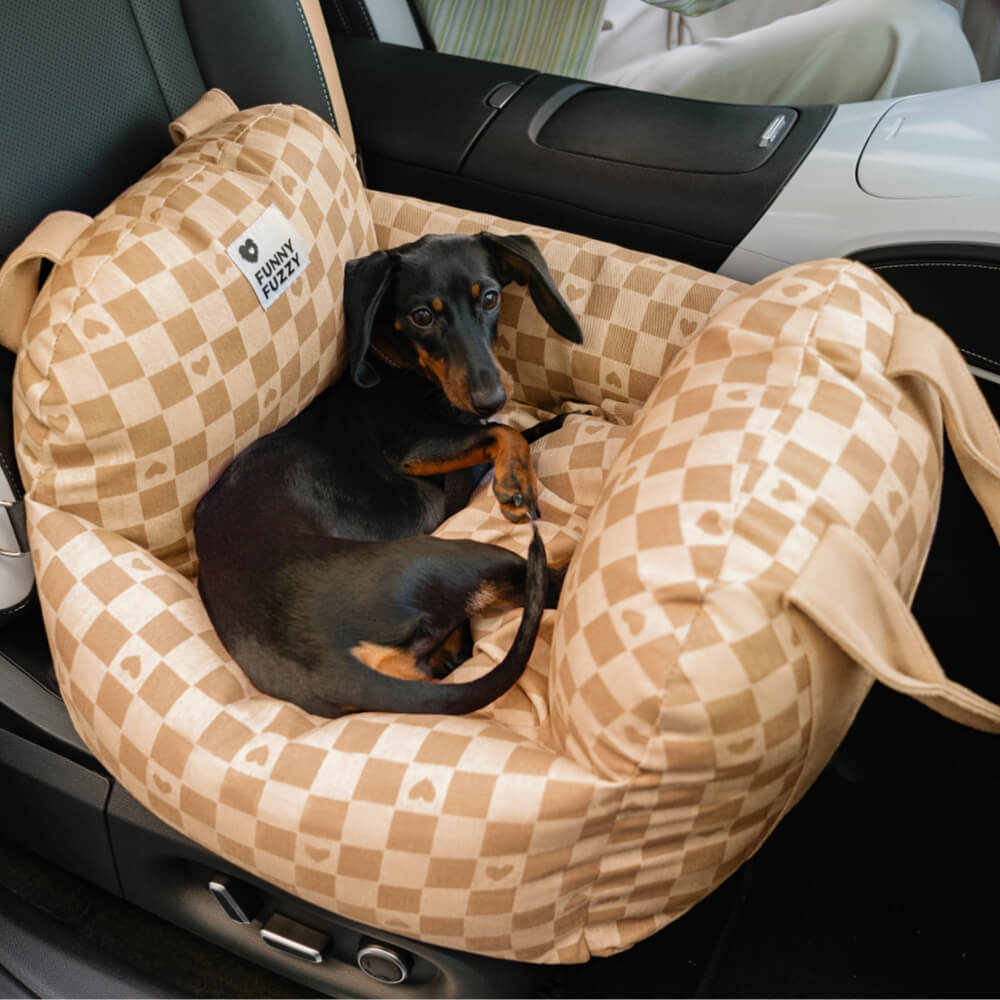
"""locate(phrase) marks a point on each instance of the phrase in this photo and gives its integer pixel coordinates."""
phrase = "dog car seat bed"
(726, 447)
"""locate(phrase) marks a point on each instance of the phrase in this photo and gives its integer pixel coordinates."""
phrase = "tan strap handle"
(844, 589)
(312, 11)
(211, 107)
(921, 349)
(50, 240)
(846, 592)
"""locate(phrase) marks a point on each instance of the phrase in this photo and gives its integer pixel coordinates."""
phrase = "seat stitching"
(934, 263)
(342, 16)
(946, 263)
(368, 20)
(317, 64)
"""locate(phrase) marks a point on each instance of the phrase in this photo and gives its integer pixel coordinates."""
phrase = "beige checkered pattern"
(636, 310)
(674, 706)
(148, 363)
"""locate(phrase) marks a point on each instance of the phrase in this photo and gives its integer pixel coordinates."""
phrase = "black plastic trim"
(463, 192)
(677, 135)
(718, 207)
(55, 807)
(167, 874)
(419, 106)
(426, 128)
(11, 987)
(31, 709)
(47, 959)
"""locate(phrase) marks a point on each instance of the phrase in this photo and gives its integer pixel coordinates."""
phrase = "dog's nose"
(487, 397)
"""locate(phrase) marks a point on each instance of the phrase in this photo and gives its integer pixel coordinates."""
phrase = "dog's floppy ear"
(516, 258)
(366, 280)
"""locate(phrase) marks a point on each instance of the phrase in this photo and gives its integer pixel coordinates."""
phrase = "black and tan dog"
(316, 567)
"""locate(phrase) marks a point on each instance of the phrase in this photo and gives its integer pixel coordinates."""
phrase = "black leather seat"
(91, 86)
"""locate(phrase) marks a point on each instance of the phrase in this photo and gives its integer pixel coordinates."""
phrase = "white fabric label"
(270, 255)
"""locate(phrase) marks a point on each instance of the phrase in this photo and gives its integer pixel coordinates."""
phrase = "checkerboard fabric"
(148, 363)
(636, 310)
(674, 707)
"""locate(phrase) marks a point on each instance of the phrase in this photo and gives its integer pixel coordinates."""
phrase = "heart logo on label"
(249, 251)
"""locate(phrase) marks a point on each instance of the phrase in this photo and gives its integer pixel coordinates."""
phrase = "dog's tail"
(394, 695)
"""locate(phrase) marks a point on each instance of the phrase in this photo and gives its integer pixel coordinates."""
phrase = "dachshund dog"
(316, 564)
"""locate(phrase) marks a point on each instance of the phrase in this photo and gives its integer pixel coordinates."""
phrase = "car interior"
(881, 881)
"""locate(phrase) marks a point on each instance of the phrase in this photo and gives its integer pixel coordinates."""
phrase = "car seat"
(685, 294)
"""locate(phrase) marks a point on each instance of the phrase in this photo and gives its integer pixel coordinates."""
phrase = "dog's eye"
(490, 299)
(422, 317)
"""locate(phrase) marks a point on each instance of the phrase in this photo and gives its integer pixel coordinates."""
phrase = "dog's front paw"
(517, 493)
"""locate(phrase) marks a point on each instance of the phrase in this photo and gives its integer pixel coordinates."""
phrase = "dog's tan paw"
(517, 494)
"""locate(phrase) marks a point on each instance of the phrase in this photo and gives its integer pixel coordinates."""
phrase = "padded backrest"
(89, 88)
(148, 361)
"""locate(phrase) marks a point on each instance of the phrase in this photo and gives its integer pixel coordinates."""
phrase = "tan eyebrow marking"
(475, 290)
(437, 304)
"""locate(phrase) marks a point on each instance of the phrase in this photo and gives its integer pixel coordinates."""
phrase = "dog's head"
(433, 305)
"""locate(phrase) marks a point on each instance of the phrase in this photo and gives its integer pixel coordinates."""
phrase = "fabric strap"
(211, 107)
(312, 11)
(845, 591)
(50, 240)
